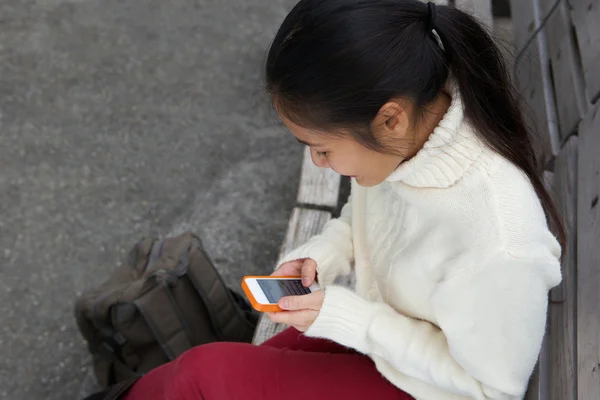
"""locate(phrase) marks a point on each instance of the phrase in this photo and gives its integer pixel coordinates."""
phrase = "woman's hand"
(307, 268)
(301, 311)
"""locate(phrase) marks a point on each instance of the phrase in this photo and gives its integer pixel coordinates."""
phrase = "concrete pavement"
(121, 118)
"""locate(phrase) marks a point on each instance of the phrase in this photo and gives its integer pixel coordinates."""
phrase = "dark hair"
(334, 63)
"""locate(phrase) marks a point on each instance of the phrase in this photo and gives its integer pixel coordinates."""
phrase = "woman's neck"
(431, 118)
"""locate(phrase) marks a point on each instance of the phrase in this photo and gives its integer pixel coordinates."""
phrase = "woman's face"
(345, 155)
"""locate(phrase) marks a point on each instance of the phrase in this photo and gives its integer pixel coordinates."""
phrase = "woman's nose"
(319, 160)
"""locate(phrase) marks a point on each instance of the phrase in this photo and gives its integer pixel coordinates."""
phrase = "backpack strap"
(209, 285)
(155, 253)
(162, 314)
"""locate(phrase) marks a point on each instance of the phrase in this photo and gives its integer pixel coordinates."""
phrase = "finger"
(312, 301)
(309, 271)
(300, 328)
(294, 318)
(291, 268)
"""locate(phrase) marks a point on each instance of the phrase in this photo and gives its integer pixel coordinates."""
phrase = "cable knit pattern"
(453, 261)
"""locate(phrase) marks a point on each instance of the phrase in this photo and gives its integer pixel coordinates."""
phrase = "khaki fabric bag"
(166, 299)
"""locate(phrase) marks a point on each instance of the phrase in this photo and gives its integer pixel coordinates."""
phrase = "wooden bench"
(557, 74)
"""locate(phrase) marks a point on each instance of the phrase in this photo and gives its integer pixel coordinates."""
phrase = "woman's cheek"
(344, 166)
(335, 165)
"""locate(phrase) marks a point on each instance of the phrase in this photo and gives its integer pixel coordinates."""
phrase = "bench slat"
(561, 329)
(568, 82)
(586, 14)
(539, 384)
(303, 225)
(533, 390)
(318, 186)
(533, 75)
(588, 256)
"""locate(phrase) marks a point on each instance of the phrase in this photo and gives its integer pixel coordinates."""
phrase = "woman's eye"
(322, 153)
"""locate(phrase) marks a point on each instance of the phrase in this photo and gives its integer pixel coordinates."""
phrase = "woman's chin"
(361, 181)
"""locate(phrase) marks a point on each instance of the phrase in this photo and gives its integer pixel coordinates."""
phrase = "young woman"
(446, 228)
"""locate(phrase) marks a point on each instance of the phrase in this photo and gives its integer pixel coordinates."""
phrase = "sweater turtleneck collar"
(450, 150)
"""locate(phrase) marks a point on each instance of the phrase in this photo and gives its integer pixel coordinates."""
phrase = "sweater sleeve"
(332, 250)
(492, 324)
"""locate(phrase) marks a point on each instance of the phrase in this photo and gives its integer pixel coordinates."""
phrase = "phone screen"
(275, 289)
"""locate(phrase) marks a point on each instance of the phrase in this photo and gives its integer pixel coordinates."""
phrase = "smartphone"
(264, 292)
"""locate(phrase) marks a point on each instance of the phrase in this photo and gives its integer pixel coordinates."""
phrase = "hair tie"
(431, 18)
(432, 12)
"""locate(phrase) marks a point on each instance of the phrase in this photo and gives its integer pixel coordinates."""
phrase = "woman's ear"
(391, 122)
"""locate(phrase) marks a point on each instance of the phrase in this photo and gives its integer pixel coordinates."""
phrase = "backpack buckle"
(165, 276)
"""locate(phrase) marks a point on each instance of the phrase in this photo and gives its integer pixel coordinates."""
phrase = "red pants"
(289, 366)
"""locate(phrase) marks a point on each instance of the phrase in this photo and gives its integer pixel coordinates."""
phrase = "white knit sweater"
(453, 262)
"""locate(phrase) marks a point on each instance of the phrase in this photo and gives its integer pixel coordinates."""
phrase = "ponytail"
(490, 101)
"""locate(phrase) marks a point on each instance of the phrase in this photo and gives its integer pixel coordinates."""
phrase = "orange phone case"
(258, 306)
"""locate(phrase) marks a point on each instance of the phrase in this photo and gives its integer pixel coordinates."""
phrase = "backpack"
(165, 300)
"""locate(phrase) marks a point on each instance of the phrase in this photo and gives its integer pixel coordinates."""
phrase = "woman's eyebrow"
(308, 144)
